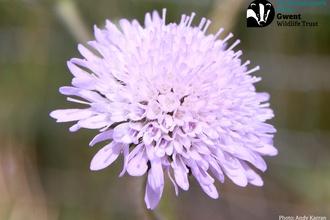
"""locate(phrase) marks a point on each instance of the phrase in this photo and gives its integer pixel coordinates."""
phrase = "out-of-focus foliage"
(44, 169)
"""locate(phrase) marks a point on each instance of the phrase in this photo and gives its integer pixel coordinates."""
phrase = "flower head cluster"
(171, 100)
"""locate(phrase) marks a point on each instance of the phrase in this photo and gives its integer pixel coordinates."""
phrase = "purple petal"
(267, 150)
(174, 184)
(77, 72)
(252, 176)
(121, 133)
(155, 17)
(125, 26)
(101, 137)
(210, 190)
(84, 83)
(216, 170)
(137, 166)
(157, 172)
(126, 157)
(264, 127)
(147, 20)
(88, 54)
(180, 173)
(248, 155)
(152, 195)
(106, 156)
(65, 115)
(202, 176)
(236, 175)
(97, 121)
(74, 128)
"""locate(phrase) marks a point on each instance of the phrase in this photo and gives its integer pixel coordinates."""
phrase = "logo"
(260, 13)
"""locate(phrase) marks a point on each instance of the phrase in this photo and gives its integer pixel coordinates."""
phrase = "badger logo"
(260, 13)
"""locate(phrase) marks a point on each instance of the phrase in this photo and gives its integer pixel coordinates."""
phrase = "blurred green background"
(44, 169)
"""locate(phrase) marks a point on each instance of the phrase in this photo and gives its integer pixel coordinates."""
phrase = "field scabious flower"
(171, 100)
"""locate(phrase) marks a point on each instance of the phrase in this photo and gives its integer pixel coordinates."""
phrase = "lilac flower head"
(171, 100)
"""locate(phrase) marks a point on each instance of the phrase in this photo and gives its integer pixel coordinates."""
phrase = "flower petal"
(65, 115)
(210, 190)
(97, 121)
(137, 166)
(180, 172)
(174, 184)
(106, 156)
(101, 137)
(152, 195)
(126, 157)
(157, 172)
